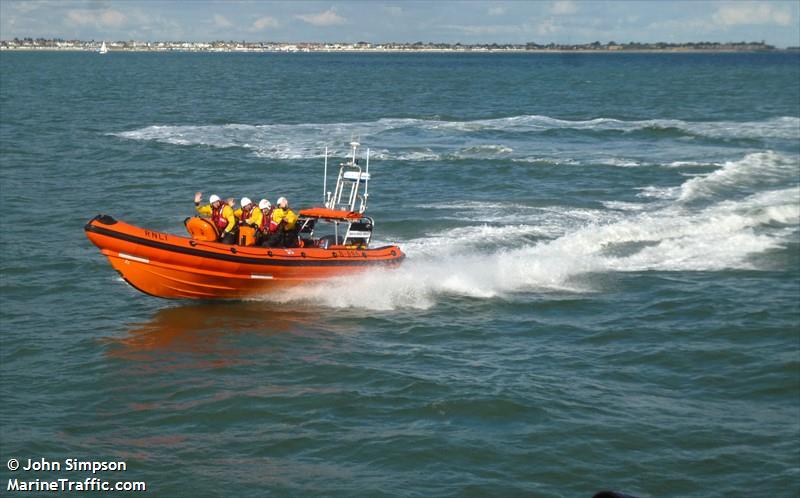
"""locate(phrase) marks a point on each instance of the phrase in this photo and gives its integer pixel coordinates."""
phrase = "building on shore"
(363, 46)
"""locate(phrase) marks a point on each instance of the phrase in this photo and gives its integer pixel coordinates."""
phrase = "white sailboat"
(103, 48)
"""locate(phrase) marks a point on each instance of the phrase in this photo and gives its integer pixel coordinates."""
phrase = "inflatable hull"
(176, 267)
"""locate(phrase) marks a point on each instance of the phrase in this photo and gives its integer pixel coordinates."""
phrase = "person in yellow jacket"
(221, 215)
(289, 216)
(282, 225)
(249, 213)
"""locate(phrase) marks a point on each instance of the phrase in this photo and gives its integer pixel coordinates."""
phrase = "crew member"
(248, 213)
(266, 215)
(290, 225)
(221, 215)
(282, 225)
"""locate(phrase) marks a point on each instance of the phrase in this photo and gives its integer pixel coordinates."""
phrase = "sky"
(776, 22)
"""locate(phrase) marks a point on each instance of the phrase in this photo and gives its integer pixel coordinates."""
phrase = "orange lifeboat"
(173, 266)
(198, 267)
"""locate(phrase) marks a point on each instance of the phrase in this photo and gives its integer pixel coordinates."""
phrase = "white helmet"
(282, 202)
(245, 202)
(264, 204)
(214, 198)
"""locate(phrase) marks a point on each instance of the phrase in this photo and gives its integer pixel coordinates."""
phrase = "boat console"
(341, 222)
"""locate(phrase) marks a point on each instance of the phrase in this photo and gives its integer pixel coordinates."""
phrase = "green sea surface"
(601, 291)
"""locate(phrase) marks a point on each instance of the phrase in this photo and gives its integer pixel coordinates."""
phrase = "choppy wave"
(755, 172)
(693, 164)
(491, 260)
(541, 221)
(399, 139)
(782, 127)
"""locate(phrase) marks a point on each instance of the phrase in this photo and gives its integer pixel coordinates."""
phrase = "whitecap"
(755, 171)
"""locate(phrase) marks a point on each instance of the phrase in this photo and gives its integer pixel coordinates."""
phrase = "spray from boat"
(744, 212)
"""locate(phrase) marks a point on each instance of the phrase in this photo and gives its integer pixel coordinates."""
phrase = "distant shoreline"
(406, 51)
(59, 45)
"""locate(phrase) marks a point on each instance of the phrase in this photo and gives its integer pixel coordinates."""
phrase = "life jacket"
(275, 219)
(245, 214)
(266, 220)
(219, 220)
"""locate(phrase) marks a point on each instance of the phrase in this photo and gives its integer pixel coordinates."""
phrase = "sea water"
(601, 289)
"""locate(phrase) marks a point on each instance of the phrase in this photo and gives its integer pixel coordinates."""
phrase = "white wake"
(748, 210)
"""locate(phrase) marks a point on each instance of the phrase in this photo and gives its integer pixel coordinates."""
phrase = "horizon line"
(417, 43)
